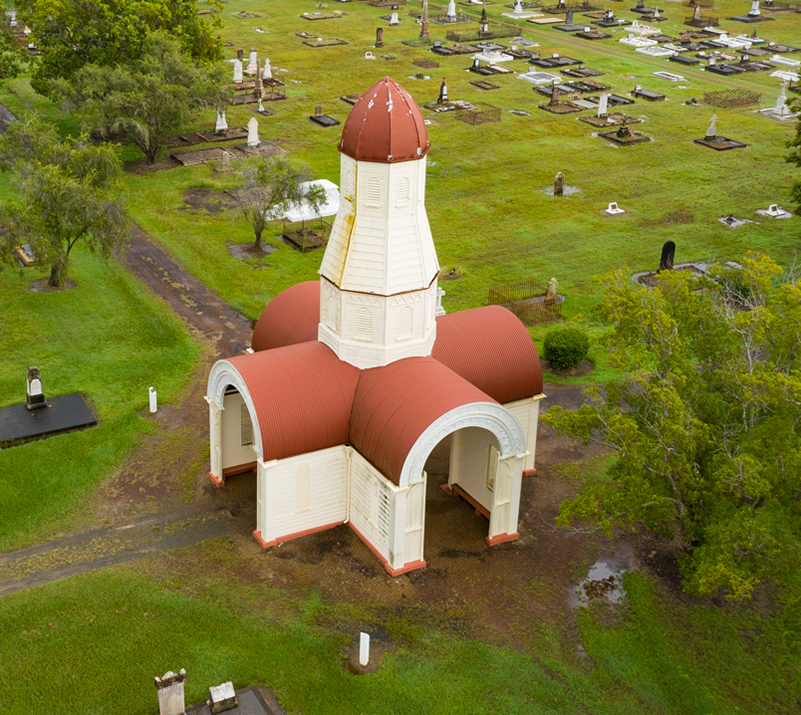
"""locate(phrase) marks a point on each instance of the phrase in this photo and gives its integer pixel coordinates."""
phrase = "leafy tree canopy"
(705, 423)
(13, 57)
(147, 100)
(74, 33)
(268, 186)
(69, 192)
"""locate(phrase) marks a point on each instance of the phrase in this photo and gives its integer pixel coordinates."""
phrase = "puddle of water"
(604, 580)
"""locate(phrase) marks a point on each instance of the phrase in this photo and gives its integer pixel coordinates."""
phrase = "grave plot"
(452, 105)
(61, 414)
(351, 98)
(698, 20)
(306, 236)
(386, 3)
(614, 119)
(306, 35)
(581, 72)
(529, 301)
(484, 85)
(720, 143)
(323, 119)
(193, 138)
(239, 151)
(543, 20)
(539, 78)
(686, 61)
(569, 25)
(593, 35)
(573, 87)
(481, 114)
(609, 20)
(615, 100)
(563, 8)
(455, 50)
(322, 42)
(555, 106)
(425, 64)
(647, 95)
(321, 15)
(625, 136)
(554, 62)
(519, 54)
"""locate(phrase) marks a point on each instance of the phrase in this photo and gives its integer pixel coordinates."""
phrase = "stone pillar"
(170, 691)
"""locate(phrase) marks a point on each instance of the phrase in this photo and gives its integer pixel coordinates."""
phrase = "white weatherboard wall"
(506, 496)
(233, 452)
(378, 290)
(302, 493)
(527, 412)
(372, 498)
(470, 461)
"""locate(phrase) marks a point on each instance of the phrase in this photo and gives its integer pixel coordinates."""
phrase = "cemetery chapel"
(355, 378)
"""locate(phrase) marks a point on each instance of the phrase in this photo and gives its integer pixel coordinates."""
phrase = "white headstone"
(439, 309)
(394, 19)
(364, 649)
(712, 131)
(613, 209)
(268, 71)
(170, 691)
(602, 103)
(253, 65)
(261, 106)
(221, 125)
(754, 11)
(656, 13)
(451, 13)
(518, 7)
(237, 71)
(253, 132)
(781, 109)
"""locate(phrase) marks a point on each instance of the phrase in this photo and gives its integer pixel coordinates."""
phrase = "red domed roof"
(289, 318)
(385, 126)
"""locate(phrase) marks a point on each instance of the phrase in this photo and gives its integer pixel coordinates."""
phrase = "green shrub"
(566, 346)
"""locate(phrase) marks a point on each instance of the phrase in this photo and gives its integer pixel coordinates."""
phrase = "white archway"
(487, 415)
(223, 374)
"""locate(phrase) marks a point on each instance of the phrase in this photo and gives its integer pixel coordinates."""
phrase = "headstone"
(451, 13)
(237, 71)
(712, 132)
(394, 19)
(369, 55)
(318, 111)
(666, 261)
(602, 105)
(569, 18)
(443, 92)
(252, 62)
(754, 11)
(554, 95)
(551, 290)
(424, 23)
(781, 109)
(34, 397)
(268, 71)
(518, 7)
(379, 37)
(221, 124)
(656, 13)
(559, 184)
(261, 106)
(240, 54)
(253, 132)
(364, 649)
(222, 698)
(640, 4)
(225, 161)
(170, 690)
(697, 13)
(439, 309)
(258, 86)
(613, 209)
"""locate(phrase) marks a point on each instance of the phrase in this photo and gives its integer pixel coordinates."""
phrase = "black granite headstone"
(668, 251)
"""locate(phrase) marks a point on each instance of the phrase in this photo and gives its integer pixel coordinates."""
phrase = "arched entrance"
(488, 452)
(235, 445)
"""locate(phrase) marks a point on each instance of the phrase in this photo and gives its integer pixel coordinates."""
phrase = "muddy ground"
(162, 501)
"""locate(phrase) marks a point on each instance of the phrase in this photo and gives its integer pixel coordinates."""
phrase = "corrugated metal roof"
(385, 126)
(303, 396)
(289, 318)
(492, 349)
(395, 404)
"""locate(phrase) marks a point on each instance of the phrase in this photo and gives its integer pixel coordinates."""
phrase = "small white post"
(153, 400)
(364, 649)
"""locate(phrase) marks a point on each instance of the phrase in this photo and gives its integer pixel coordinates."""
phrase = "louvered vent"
(245, 426)
(364, 325)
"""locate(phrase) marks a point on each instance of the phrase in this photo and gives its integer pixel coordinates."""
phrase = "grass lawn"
(102, 637)
(106, 338)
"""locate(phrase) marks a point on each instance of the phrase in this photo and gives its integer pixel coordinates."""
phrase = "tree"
(74, 33)
(794, 156)
(706, 423)
(13, 57)
(145, 101)
(69, 192)
(268, 186)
